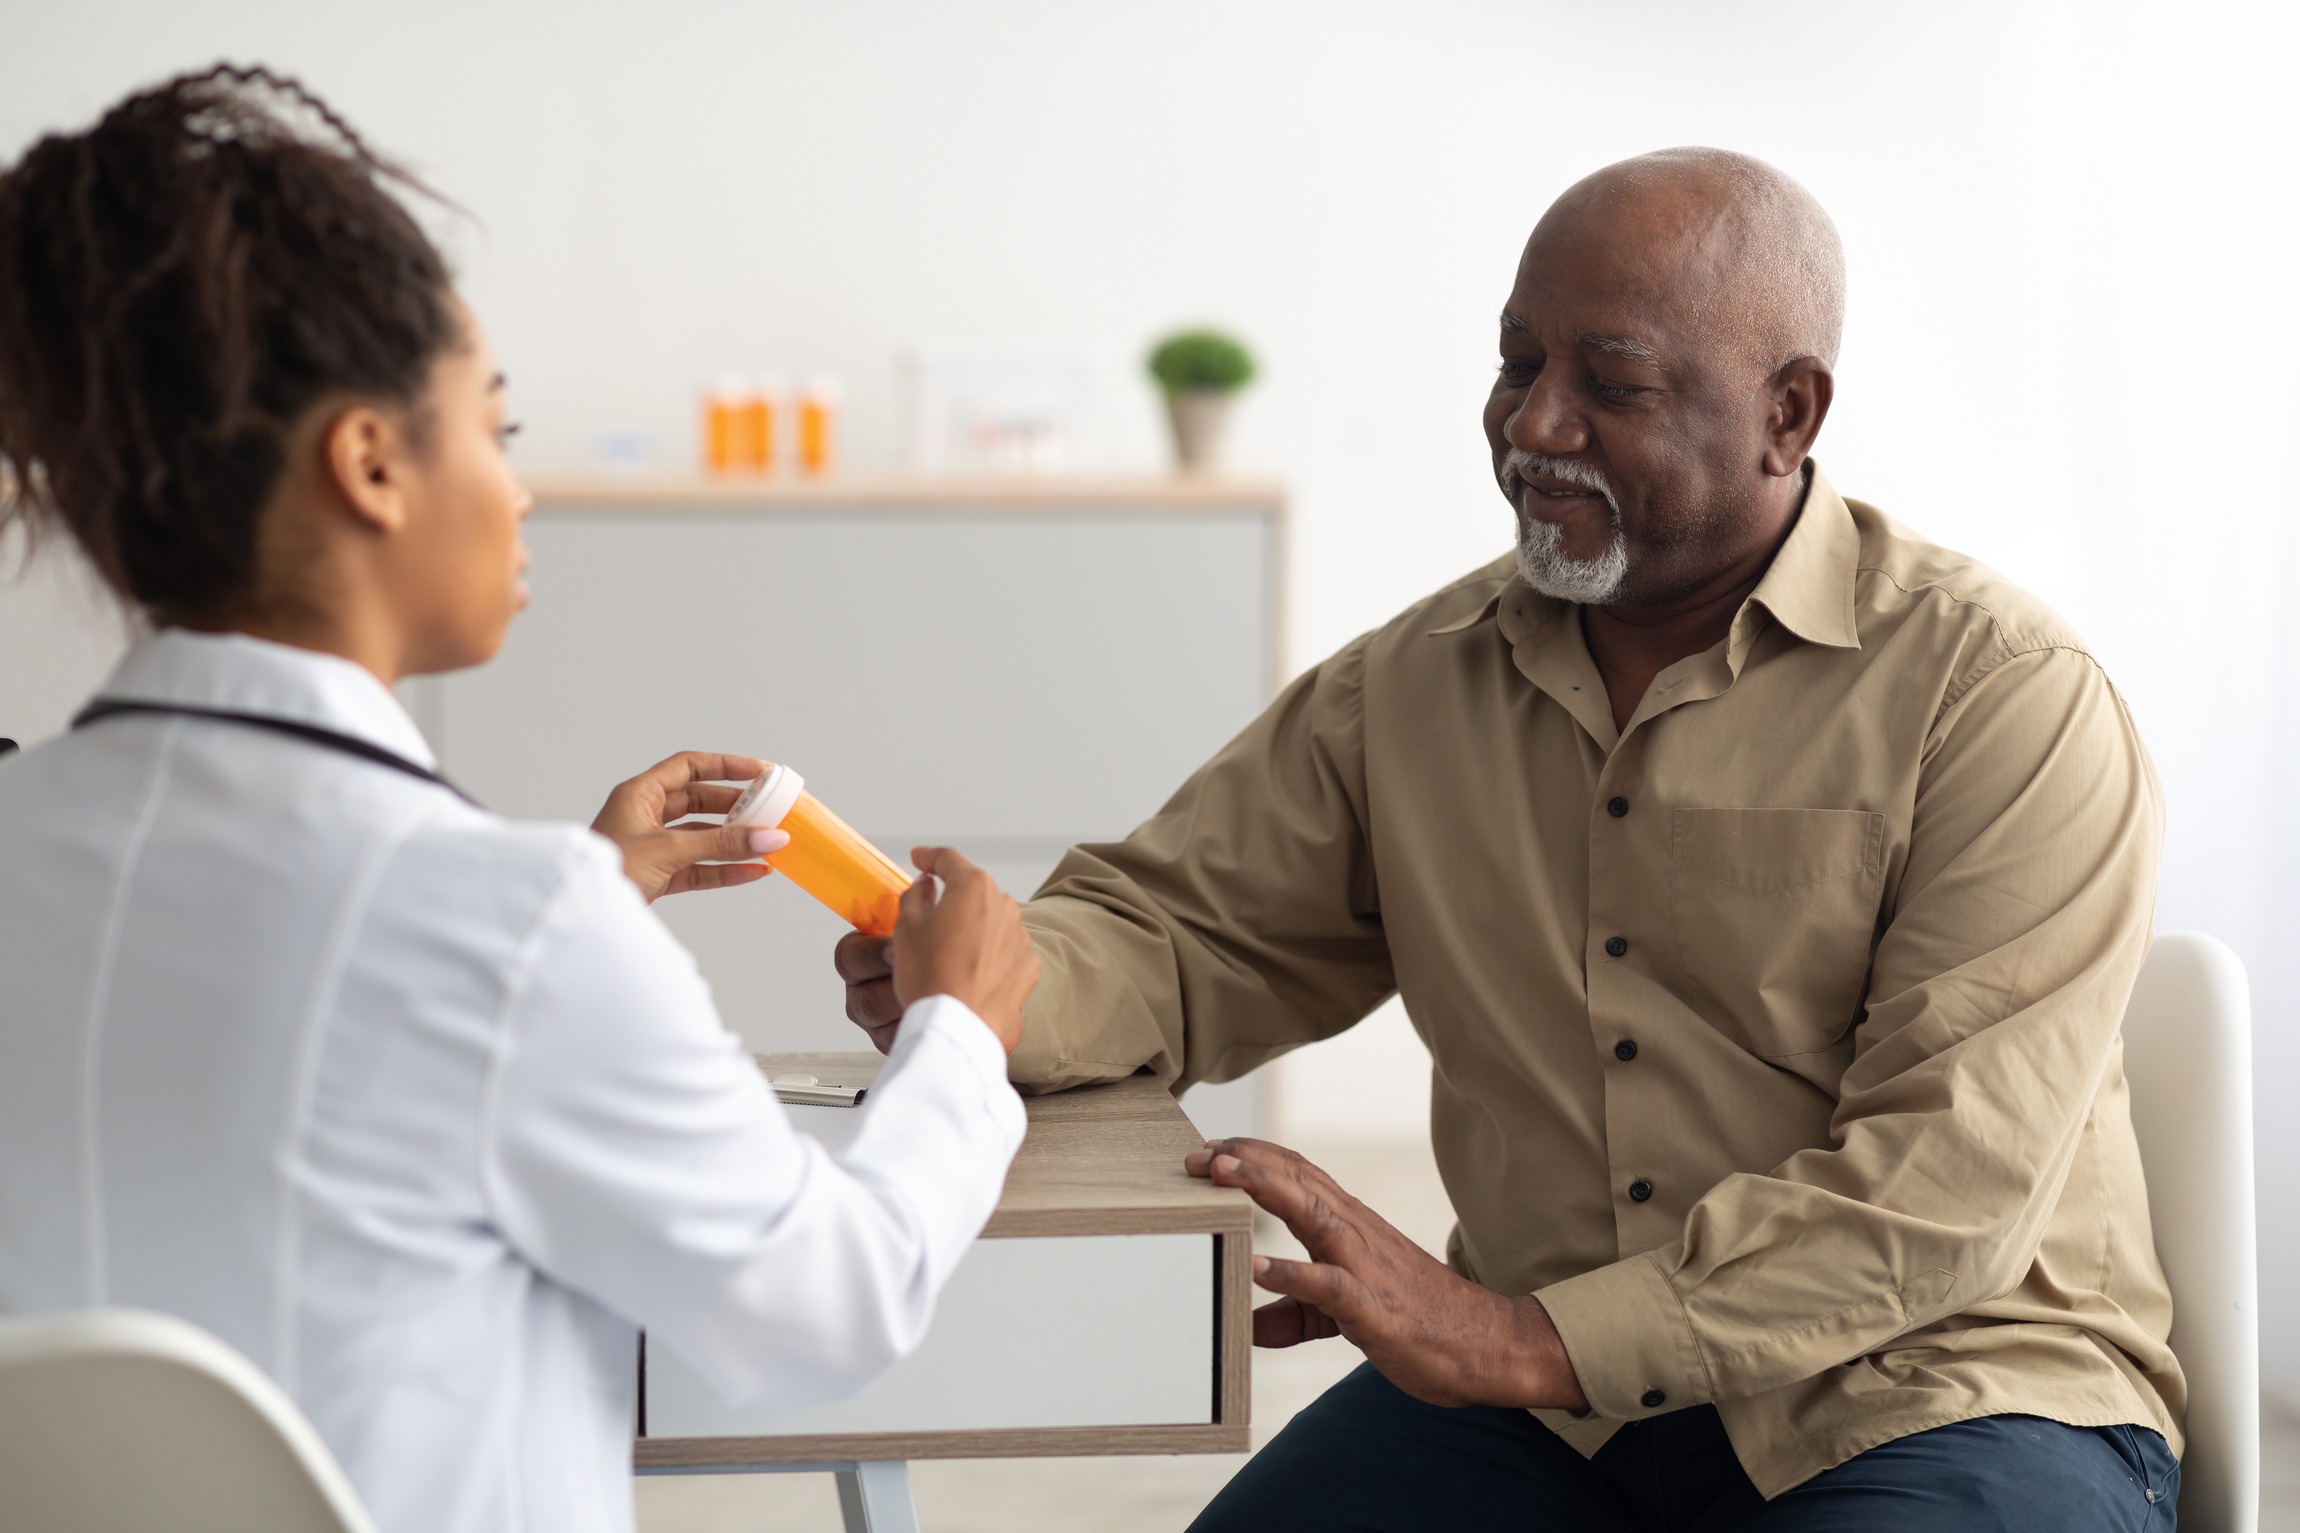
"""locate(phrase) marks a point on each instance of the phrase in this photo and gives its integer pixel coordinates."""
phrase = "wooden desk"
(1105, 1310)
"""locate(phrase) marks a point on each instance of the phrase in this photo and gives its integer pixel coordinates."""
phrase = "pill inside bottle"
(826, 857)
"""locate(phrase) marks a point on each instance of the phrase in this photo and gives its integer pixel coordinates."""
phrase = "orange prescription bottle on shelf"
(826, 857)
(725, 424)
(819, 426)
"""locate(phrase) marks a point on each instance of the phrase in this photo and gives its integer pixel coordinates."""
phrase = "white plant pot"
(1200, 416)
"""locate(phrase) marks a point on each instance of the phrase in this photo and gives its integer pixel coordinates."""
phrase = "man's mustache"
(1517, 460)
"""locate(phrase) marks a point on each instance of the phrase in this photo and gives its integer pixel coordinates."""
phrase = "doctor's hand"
(664, 857)
(964, 940)
(1433, 1333)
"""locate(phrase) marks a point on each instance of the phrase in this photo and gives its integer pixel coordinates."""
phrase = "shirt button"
(1652, 1399)
(1640, 1190)
(1616, 946)
(1625, 1050)
(1617, 806)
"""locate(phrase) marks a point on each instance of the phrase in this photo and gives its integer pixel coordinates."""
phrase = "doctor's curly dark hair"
(179, 284)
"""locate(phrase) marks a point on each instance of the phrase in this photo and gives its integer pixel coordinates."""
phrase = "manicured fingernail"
(765, 841)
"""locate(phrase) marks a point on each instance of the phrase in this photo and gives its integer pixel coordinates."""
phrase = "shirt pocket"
(1775, 914)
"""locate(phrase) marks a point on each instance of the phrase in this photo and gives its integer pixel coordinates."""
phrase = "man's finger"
(1290, 1322)
(874, 1004)
(861, 957)
(1291, 1165)
(1243, 1148)
(1329, 1288)
(917, 901)
(946, 863)
(1276, 1186)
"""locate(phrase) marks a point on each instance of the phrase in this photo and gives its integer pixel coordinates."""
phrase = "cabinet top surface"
(1097, 1160)
(1053, 493)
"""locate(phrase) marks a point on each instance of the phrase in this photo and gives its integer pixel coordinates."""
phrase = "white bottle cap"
(767, 799)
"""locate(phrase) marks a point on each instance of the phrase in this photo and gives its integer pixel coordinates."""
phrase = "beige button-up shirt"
(1775, 1036)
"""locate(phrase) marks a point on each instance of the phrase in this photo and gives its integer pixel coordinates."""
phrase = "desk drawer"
(1032, 1332)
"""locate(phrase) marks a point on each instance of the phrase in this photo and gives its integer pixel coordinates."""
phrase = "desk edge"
(731, 1455)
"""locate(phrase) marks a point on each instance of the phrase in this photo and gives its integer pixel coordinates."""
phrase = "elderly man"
(1767, 884)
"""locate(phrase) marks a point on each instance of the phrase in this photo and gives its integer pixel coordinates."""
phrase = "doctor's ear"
(369, 454)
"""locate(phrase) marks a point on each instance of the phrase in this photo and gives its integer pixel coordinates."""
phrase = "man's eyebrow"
(1620, 346)
(1510, 321)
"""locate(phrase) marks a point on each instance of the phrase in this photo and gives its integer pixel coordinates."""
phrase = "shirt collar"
(1808, 588)
(251, 675)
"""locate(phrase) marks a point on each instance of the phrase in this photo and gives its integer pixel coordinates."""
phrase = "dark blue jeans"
(1366, 1455)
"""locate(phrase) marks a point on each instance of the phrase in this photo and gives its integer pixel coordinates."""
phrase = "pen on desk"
(808, 1091)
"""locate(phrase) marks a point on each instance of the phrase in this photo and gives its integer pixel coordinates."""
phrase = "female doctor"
(421, 1110)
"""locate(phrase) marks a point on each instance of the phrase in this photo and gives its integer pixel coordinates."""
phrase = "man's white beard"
(1541, 559)
(1542, 564)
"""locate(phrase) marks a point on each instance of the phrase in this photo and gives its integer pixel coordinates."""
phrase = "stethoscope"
(311, 734)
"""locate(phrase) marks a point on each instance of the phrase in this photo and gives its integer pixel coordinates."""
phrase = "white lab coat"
(424, 1111)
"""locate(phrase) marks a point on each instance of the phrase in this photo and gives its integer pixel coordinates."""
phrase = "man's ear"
(367, 457)
(1801, 392)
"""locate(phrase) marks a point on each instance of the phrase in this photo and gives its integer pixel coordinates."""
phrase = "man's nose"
(1545, 421)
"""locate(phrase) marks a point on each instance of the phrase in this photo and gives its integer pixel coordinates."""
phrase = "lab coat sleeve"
(634, 1152)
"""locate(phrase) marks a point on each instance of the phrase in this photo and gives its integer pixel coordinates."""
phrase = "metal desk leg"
(875, 1497)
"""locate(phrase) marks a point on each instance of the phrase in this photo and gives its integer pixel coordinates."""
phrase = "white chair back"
(120, 1421)
(2188, 1058)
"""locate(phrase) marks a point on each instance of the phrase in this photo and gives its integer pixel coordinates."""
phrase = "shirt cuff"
(1629, 1339)
(950, 1020)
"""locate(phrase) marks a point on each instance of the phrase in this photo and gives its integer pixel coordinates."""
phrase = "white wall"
(2072, 230)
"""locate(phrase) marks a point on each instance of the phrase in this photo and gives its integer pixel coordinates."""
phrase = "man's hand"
(663, 857)
(966, 941)
(1434, 1334)
(866, 963)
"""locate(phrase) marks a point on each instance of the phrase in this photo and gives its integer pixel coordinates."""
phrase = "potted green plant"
(1200, 372)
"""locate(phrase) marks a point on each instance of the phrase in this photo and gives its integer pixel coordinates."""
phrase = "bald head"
(1752, 261)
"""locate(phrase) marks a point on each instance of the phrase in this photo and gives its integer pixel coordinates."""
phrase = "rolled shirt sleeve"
(1995, 998)
(634, 1152)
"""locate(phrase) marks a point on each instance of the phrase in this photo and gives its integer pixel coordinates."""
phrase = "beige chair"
(2188, 1057)
(120, 1421)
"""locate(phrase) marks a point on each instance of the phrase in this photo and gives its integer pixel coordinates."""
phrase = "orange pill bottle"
(826, 857)
(819, 426)
(727, 427)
